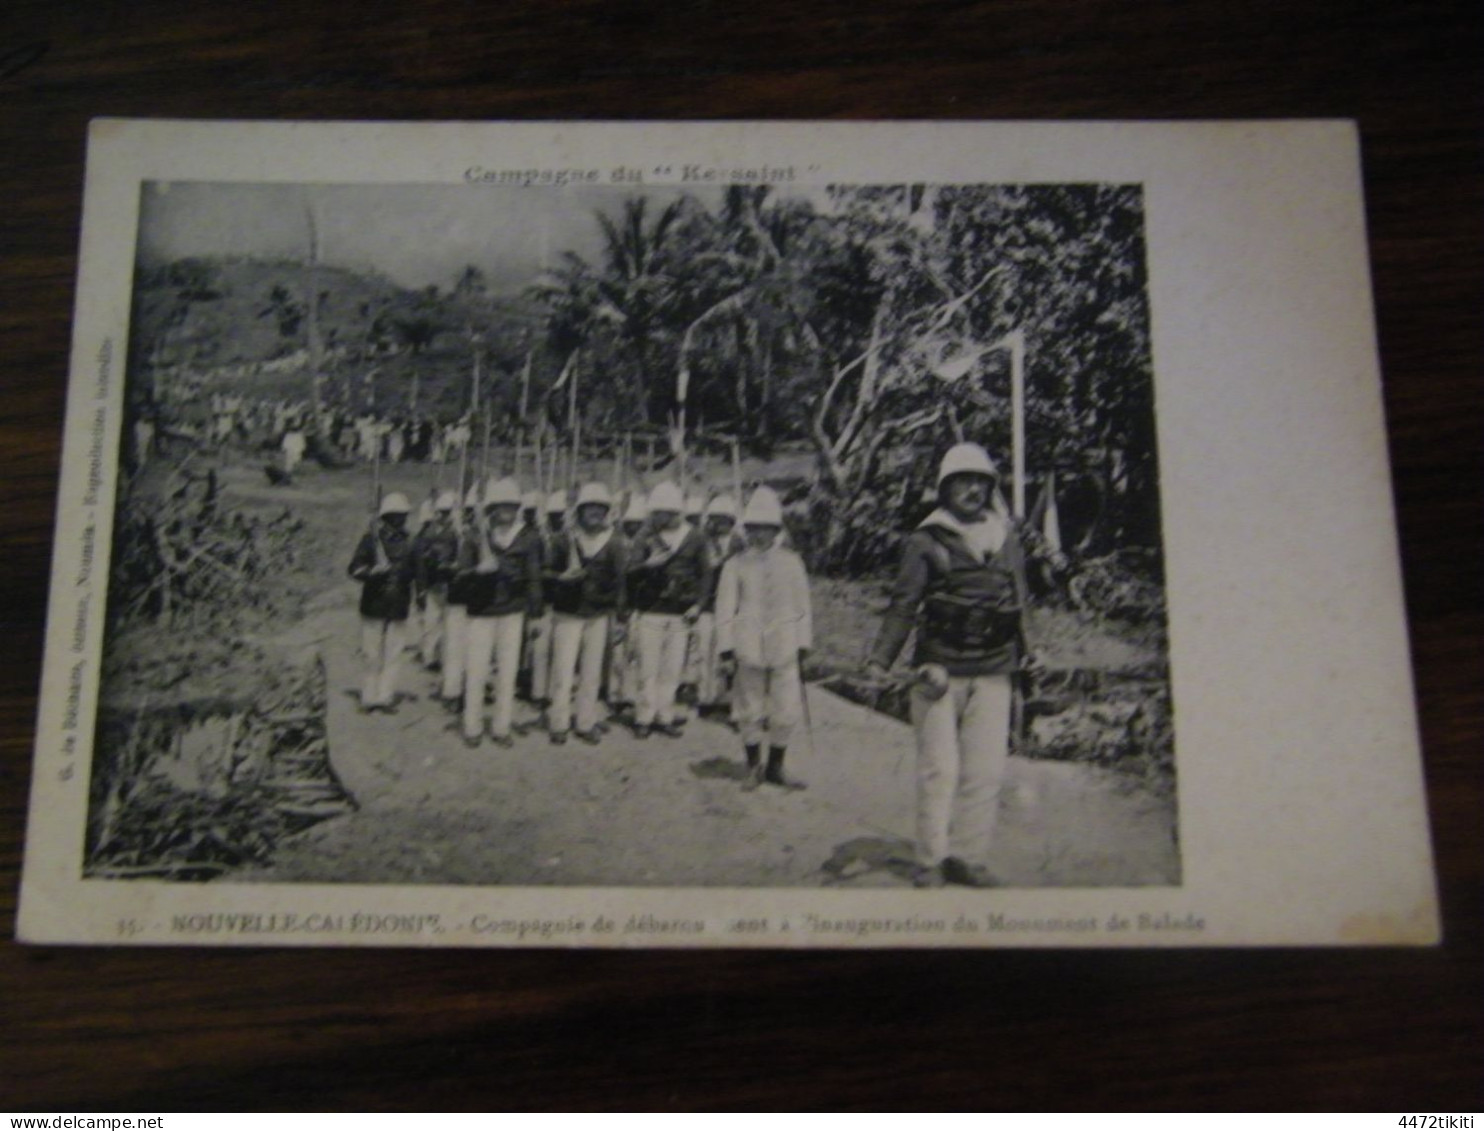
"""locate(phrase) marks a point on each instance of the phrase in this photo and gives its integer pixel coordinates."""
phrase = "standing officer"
(962, 586)
(764, 623)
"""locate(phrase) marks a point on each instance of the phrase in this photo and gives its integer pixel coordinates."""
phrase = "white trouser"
(455, 647)
(382, 642)
(769, 703)
(701, 635)
(662, 640)
(540, 658)
(576, 641)
(710, 687)
(963, 741)
(623, 668)
(435, 601)
(487, 638)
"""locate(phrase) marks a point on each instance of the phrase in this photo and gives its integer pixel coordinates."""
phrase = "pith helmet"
(395, 503)
(695, 504)
(965, 459)
(556, 502)
(531, 501)
(666, 497)
(763, 509)
(502, 492)
(446, 502)
(594, 494)
(723, 506)
(638, 508)
(471, 498)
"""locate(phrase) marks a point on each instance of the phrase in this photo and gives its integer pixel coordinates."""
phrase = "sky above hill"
(413, 234)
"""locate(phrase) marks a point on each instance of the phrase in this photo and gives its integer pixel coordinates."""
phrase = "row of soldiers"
(600, 614)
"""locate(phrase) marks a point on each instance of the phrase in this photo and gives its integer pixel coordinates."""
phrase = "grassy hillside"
(244, 324)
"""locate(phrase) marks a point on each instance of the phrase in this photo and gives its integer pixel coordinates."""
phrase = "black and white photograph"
(723, 535)
(602, 535)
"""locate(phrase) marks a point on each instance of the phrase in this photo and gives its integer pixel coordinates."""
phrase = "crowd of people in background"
(288, 431)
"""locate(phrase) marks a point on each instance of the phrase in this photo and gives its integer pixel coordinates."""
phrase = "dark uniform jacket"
(720, 549)
(602, 585)
(967, 612)
(514, 586)
(385, 596)
(458, 583)
(670, 583)
(435, 551)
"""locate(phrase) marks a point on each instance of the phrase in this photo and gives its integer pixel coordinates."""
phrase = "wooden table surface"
(182, 1029)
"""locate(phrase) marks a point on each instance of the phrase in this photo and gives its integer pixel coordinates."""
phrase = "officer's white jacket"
(762, 608)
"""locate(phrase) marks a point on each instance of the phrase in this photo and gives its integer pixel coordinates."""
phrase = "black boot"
(754, 752)
(774, 774)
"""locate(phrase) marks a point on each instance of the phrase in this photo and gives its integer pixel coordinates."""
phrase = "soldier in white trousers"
(552, 534)
(501, 568)
(586, 588)
(962, 588)
(765, 625)
(383, 564)
(669, 576)
(436, 550)
(456, 612)
(623, 668)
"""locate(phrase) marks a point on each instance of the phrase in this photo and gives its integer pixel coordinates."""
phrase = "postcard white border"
(1302, 811)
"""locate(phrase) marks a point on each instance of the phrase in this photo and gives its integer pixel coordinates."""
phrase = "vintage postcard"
(714, 535)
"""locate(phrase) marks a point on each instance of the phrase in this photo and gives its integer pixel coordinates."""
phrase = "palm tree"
(757, 274)
(623, 308)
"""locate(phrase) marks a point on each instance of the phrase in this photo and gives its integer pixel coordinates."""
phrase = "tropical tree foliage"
(871, 323)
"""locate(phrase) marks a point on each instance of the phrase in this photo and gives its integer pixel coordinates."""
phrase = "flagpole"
(737, 473)
(682, 388)
(1016, 341)
(574, 422)
(525, 388)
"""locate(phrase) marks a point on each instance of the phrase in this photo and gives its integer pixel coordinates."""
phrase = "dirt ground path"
(659, 812)
(671, 812)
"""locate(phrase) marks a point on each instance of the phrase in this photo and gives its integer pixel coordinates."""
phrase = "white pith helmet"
(965, 459)
(531, 501)
(395, 503)
(695, 504)
(723, 506)
(666, 497)
(502, 492)
(763, 509)
(446, 502)
(556, 502)
(638, 508)
(594, 494)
